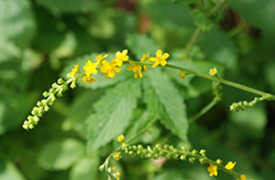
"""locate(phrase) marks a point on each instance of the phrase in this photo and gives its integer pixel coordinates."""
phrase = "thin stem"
(220, 80)
(217, 79)
(106, 162)
(203, 111)
(194, 38)
(217, 7)
(239, 28)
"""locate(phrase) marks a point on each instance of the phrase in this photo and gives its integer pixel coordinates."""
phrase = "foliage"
(43, 40)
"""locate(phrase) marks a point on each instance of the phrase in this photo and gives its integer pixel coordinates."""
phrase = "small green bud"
(203, 152)
(183, 157)
(194, 152)
(140, 147)
(219, 161)
(202, 160)
(191, 159)
(156, 156)
(166, 147)
(171, 147)
(101, 167)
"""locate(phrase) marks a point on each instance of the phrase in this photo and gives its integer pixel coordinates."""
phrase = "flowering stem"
(220, 166)
(105, 165)
(223, 81)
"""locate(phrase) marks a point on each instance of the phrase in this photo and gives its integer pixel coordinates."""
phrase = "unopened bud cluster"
(217, 91)
(243, 105)
(42, 106)
(167, 151)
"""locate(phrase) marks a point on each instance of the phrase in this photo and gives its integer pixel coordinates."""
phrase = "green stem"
(194, 38)
(221, 80)
(236, 30)
(217, 79)
(217, 7)
(203, 111)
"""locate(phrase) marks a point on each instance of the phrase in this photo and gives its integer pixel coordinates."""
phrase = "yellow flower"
(121, 56)
(88, 79)
(143, 59)
(109, 69)
(116, 155)
(230, 165)
(120, 138)
(159, 59)
(182, 75)
(135, 68)
(242, 177)
(117, 175)
(213, 71)
(212, 169)
(100, 58)
(90, 68)
(74, 71)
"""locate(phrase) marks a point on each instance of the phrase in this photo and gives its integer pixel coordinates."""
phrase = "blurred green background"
(41, 40)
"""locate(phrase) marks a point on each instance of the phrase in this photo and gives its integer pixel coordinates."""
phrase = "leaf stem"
(203, 111)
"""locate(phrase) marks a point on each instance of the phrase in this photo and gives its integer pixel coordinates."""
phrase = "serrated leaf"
(16, 21)
(221, 49)
(139, 44)
(85, 169)
(113, 113)
(164, 99)
(68, 6)
(101, 81)
(60, 155)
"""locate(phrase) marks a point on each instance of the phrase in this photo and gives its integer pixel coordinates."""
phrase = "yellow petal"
(111, 74)
(159, 53)
(165, 56)
(163, 62)
(124, 52)
(155, 64)
(153, 59)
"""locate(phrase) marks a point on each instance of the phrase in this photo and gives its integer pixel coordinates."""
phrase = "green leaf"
(140, 122)
(80, 110)
(139, 44)
(68, 6)
(60, 155)
(202, 21)
(256, 12)
(16, 21)
(113, 113)
(8, 51)
(85, 169)
(219, 47)
(9, 171)
(168, 14)
(101, 81)
(164, 100)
